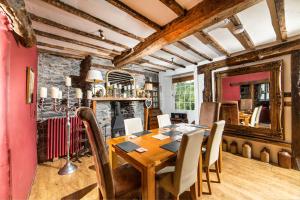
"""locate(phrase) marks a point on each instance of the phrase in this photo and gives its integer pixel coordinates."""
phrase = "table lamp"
(94, 76)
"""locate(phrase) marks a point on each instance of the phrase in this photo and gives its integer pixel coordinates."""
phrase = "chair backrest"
(163, 120)
(133, 125)
(258, 115)
(253, 117)
(213, 143)
(246, 104)
(103, 168)
(229, 112)
(209, 113)
(187, 161)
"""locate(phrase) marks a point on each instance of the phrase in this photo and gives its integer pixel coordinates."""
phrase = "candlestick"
(59, 94)
(89, 94)
(54, 92)
(43, 92)
(78, 93)
(68, 81)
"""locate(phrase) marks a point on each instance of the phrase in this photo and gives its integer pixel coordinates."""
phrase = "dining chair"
(163, 120)
(123, 182)
(133, 125)
(253, 117)
(184, 177)
(257, 118)
(229, 112)
(209, 113)
(212, 151)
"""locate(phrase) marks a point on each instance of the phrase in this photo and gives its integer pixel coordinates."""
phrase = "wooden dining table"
(149, 162)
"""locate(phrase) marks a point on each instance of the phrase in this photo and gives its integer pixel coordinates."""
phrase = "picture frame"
(29, 85)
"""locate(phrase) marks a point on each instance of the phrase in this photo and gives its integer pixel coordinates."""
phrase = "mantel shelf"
(118, 99)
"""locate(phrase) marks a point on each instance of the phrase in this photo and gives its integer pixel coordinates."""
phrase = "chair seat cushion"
(127, 180)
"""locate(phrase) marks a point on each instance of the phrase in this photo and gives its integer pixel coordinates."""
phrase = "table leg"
(148, 183)
(199, 184)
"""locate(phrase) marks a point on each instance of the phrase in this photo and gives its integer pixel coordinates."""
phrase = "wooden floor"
(241, 179)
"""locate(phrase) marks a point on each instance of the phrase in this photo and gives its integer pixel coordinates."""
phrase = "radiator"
(57, 137)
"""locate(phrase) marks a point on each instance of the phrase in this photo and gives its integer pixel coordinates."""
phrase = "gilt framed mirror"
(119, 77)
(252, 100)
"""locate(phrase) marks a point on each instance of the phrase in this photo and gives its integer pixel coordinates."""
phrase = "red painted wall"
(232, 93)
(21, 117)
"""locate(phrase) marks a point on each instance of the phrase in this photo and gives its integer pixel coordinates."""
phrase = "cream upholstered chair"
(212, 150)
(253, 117)
(258, 115)
(185, 175)
(163, 120)
(133, 125)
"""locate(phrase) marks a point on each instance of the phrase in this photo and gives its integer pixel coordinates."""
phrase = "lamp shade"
(148, 86)
(94, 76)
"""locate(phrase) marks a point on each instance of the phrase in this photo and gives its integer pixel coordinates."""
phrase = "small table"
(148, 162)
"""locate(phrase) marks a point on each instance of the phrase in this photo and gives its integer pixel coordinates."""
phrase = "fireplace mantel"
(118, 99)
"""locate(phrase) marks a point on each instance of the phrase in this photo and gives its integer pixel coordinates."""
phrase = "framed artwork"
(29, 85)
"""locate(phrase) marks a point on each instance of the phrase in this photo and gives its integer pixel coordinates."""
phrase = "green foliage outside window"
(184, 95)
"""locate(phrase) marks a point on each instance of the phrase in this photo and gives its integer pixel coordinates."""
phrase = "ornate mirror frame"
(276, 101)
(119, 71)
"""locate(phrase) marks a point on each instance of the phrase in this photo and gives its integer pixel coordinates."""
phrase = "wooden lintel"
(60, 54)
(73, 30)
(73, 50)
(86, 16)
(174, 6)
(65, 39)
(167, 61)
(243, 37)
(134, 14)
(189, 47)
(260, 54)
(208, 40)
(179, 56)
(277, 11)
(204, 14)
(21, 24)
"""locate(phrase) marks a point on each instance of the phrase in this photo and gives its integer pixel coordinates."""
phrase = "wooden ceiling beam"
(65, 39)
(243, 37)
(174, 6)
(277, 11)
(73, 30)
(86, 16)
(204, 14)
(187, 46)
(158, 65)
(122, 6)
(179, 56)
(256, 55)
(167, 61)
(64, 55)
(205, 38)
(73, 50)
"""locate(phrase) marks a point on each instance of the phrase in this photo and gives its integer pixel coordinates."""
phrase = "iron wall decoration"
(29, 85)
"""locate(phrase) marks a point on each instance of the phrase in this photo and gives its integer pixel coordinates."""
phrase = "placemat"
(172, 146)
(171, 133)
(138, 134)
(128, 146)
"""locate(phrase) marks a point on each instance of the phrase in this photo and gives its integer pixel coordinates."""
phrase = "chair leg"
(208, 180)
(176, 197)
(193, 189)
(217, 171)
(100, 194)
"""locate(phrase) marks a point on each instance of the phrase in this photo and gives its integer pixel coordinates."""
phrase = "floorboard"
(241, 179)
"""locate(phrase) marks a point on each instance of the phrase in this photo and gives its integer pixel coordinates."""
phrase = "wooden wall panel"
(295, 76)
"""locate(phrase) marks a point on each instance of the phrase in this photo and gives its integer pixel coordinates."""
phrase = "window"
(184, 95)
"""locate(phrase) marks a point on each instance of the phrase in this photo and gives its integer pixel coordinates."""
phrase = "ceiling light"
(101, 34)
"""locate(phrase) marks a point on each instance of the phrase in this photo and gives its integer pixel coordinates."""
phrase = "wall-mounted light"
(101, 34)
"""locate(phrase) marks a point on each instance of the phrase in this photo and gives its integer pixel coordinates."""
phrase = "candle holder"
(64, 107)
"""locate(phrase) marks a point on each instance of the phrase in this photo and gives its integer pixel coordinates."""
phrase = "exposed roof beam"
(84, 15)
(173, 5)
(277, 11)
(179, 56)
(204, 14)
(252, 56)
(158, 65)
(85, 53)
(73, 30)
(152, 71)
(65, 39)
(186, 45)
(167, 61)
(64, 55)
(243, 37)
(134, 14)
(208, 40)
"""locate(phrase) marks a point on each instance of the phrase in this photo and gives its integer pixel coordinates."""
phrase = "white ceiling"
(256, 20)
